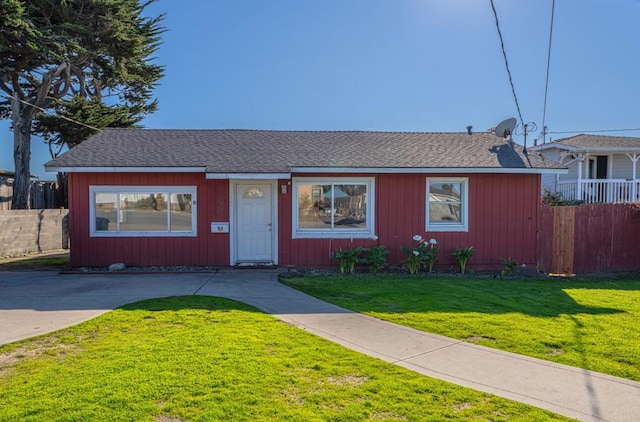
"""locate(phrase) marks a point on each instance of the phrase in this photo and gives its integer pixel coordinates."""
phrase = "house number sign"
(219, 227)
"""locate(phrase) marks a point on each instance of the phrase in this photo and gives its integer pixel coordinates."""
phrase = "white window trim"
(142, 189)
(366, 233)
(462, 226)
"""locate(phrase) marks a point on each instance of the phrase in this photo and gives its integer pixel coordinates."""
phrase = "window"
(142, 211)
(447, 205)
(333, 207)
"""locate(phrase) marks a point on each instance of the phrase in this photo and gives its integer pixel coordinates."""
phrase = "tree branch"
(5, 88)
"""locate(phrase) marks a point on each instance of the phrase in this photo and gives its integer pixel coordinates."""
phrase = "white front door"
(254, 223)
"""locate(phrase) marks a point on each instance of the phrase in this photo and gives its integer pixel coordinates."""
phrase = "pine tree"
(89, 60)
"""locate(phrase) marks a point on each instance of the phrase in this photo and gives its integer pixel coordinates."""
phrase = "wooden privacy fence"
(590, 238)
(42, 195)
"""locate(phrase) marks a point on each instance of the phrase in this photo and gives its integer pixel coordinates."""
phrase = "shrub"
(348, 258)
(462, 255)
(423, 253)
(509, 266)
(375, 258)
(555, 199)
(431, 255)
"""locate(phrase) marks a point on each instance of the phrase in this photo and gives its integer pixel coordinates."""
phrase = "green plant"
(555, 199)
(510, 267)
(375, 258)
(462, 255)
(423, 253)
(431, 254)
(348, 258)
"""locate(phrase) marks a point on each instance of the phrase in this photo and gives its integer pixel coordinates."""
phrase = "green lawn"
(205, 358)
(34, 263)
(591, 324)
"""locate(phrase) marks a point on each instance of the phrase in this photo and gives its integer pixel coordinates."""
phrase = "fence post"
(563, 240)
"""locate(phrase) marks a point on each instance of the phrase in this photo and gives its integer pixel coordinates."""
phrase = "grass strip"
(34, 263)
(587, 323)
(199, 358)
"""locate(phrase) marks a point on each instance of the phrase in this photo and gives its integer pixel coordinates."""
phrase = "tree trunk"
(62, 196)
(22, 118)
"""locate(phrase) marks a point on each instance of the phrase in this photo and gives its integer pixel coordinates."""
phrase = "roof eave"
(586, 149)
(544, 147)
(607, 149)
(475, 170)
(248, 176)
(113, 169)
(287, 175)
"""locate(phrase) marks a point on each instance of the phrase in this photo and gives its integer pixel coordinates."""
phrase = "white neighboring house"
(601, 168)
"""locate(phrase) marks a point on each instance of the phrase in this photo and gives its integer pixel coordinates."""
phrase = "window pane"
(254, 193)
(106, 212)
(314, 207)
(143, 212)
(444, 212)
(350, 204)
(445, 192)
(181, 212)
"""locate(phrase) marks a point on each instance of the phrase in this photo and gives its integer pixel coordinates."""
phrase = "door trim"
(233, 233)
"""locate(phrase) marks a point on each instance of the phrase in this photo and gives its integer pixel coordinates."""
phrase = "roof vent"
(469, 130)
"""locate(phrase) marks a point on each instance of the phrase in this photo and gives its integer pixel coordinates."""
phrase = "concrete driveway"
(33, 303)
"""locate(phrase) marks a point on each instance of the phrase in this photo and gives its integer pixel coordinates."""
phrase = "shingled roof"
(594, 142)
(266, 151)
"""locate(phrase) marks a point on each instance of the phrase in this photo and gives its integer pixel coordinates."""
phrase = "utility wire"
(596, 131)
(546, 82)
(506, 62)
(57, 115)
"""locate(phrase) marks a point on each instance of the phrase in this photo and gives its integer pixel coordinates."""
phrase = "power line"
(595, 131)
(506, 62)
(57, 115)
(546, 82)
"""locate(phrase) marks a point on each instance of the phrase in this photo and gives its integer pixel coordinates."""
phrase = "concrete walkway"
(36, 303)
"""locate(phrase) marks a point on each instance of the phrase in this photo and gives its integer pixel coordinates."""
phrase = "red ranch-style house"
(243, 197)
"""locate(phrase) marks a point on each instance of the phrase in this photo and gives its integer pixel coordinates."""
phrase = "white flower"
(416, 253)
(374, 238)
(433, 242)
(417, 238)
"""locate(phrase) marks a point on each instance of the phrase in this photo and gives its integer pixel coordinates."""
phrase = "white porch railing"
(600, 190)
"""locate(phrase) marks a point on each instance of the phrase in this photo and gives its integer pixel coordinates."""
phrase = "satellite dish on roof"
(505, 128)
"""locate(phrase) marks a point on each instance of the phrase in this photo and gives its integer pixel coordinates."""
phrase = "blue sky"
(391, 65)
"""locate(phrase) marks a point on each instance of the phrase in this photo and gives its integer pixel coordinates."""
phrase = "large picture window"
(447, 205)
(333, 207)
(143, 211)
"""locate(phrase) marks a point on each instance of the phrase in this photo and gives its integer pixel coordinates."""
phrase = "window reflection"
(105, 212)
(445, 202)
(143, 212)
(335, 206)
(180, 214)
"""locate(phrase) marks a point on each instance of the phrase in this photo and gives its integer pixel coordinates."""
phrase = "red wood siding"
(503, 221)
(205, 249)
(503, 218)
